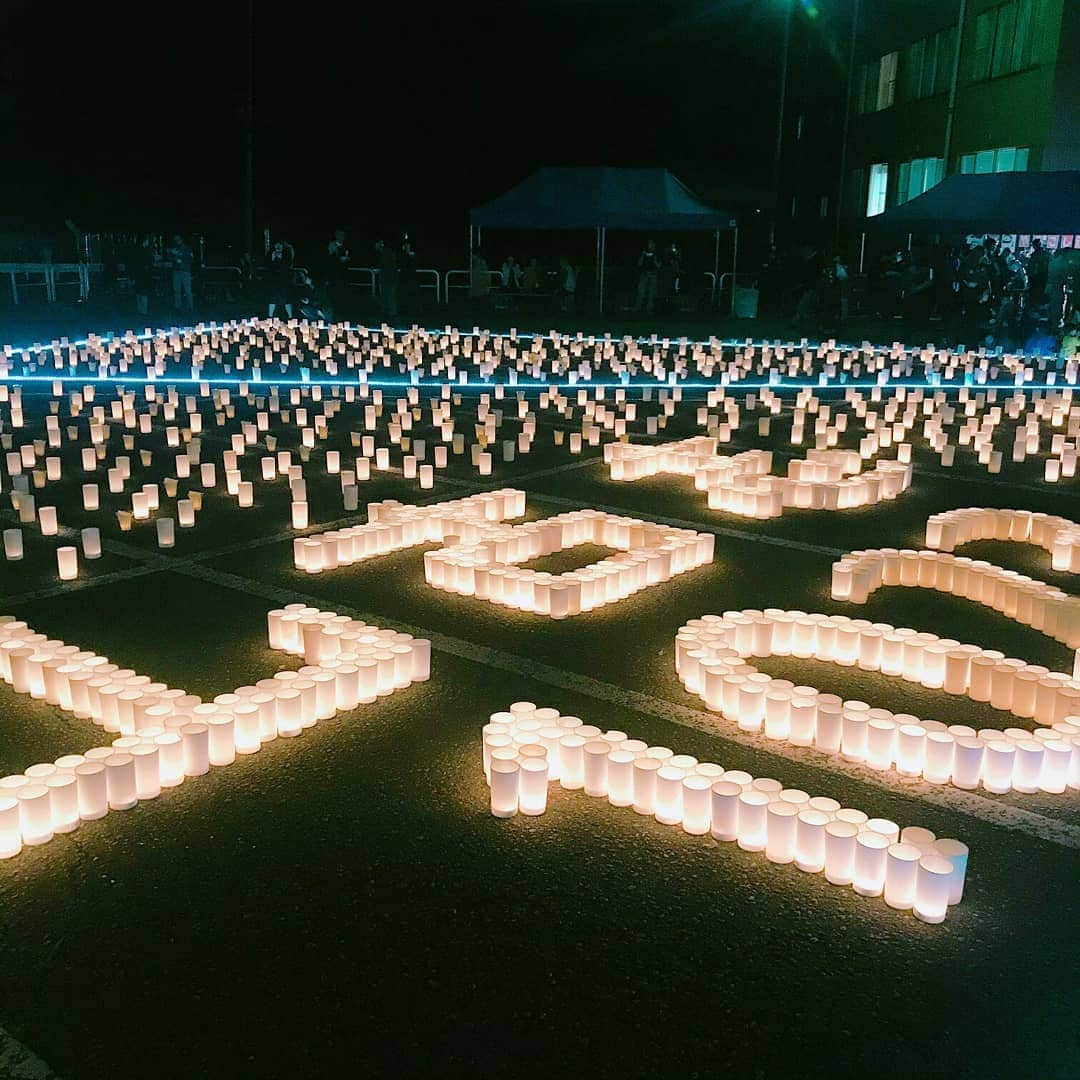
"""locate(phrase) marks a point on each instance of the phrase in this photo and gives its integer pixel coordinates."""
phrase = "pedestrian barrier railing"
(462, 279)
(430, 279)
(367, 278)
(37, 275)
(364, 277)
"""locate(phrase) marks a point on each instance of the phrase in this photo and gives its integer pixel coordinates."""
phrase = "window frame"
(1005, 40)
(880, 195)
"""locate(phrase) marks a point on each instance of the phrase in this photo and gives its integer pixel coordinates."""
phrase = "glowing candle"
(810, 841)
(753, 817)
(868, 874)
(13, 544)
(64, 801)
(696, 804)
(781, 829)
(10, 832)
(533, 785)
(147, 770)
(840, 851)
(932, 885)
(595, 775)
(120, 781)
(504, 787)
(901, 871)
(67, 559)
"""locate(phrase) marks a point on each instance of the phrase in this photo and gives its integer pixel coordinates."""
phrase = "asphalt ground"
(344, 903)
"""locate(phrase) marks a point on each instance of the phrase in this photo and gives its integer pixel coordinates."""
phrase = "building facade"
(958, 86)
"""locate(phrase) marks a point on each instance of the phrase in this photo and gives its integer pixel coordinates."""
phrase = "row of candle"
(486, 569)
(1057, 535)
(167, 735)
(711, 659)
(739, 484)
(279, 346)
(526, 748)
(766, 497)
(1017, 596)
(327, 638)
(394, 526)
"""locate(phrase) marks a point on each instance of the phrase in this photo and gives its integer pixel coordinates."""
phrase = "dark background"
(123, 116)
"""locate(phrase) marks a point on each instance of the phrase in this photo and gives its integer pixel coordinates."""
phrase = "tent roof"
(586, 197)
(1017, 202)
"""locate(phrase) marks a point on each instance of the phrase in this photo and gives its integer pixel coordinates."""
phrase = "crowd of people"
(658, 279)
(979, 291)
(982, 291)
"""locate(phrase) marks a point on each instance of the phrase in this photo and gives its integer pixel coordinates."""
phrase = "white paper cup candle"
(64, 801)
(67, 561)
(901, 871)
(10, 832)
(504, 787)
(840, 852)
(120, 781)
(782, 826)
(810, 841)
(868, 876)
(533, 785)
(932, 885)
(645, 770)
(92, 789)
(956, 853)
(753, 819)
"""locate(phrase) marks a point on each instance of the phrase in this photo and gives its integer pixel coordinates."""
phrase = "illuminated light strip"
(1016, 596)
(393, 526)
(1057, 535)
(167, 736)
(487, 570)
(711, 658)
(527, 748)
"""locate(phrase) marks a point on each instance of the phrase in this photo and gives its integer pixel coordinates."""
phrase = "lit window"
(915, 177)
(877, 190)
(1003, 159)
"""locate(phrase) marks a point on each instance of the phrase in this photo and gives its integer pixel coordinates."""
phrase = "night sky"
(129, 115)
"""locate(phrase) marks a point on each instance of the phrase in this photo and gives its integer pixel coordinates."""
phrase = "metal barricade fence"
(427, 278)
(466, 282)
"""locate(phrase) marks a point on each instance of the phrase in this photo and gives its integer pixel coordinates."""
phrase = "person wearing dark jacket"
(648, 266)
(142, 275)
(277, 277)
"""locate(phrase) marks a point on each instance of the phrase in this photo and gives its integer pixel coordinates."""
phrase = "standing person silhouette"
(648, 265)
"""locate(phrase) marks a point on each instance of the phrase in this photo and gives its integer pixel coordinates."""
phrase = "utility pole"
(249, 135)
(953, 86)
(779, 150)
(848, 102)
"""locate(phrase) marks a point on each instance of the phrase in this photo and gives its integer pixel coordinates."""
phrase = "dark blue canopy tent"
(602, 198)
(1015, 202)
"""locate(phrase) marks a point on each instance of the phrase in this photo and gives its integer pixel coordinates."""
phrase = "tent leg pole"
(862, 252)
(603, 262)
(599, 293)
(909, 241)
(734, 266)
(716, 269)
